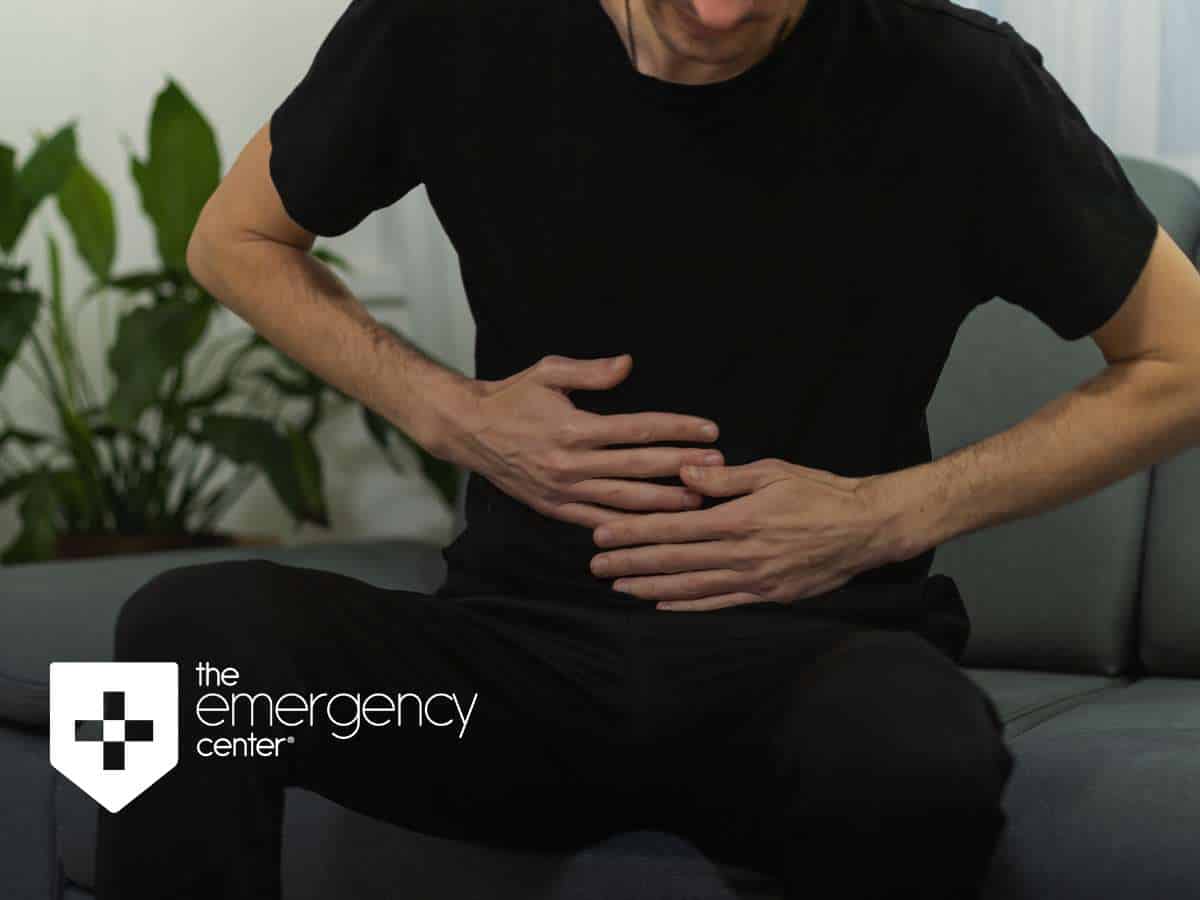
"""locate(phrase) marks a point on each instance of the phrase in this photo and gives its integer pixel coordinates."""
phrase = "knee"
(907, 729)
(949, 746)
(187, 608)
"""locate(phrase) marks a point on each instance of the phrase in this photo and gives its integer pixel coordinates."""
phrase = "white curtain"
(1131, 66)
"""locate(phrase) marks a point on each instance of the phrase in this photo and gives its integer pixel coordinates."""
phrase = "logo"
(114, 726)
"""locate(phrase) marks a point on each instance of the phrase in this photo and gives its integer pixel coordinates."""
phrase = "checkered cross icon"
(114, 730)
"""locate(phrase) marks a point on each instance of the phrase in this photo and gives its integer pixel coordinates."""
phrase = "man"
(765, 216)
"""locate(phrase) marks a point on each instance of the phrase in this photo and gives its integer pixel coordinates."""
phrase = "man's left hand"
(797, 532)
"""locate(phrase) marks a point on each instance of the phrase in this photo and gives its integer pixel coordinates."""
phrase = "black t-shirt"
(788, 252)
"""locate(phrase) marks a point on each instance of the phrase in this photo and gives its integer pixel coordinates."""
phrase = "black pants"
(840, 757)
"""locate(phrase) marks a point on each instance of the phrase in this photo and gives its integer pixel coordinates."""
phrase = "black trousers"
(856, 760)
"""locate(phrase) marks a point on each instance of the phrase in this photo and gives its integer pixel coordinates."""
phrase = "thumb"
(724, 481)
(589, 374)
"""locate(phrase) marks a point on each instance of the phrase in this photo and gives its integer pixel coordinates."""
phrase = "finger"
(596, 429)
(708, 603)
(586, 514)
(713, 523)
(684, 585)
(644, 462)
(569, 373)
(665, 558)
(634, 495)
(727, 481)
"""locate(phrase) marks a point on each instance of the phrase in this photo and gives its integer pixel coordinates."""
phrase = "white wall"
(1132, 66)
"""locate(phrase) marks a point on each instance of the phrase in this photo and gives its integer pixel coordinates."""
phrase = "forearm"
(1122, 420)
(300, 305)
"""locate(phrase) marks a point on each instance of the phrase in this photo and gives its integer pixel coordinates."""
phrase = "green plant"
(141, 447)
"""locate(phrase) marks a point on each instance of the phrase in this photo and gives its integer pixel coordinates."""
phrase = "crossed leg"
(856, 763)
(541, 761)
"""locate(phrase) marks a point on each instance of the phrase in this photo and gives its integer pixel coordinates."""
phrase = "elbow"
(194, 256)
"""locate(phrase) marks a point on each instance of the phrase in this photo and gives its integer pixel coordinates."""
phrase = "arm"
(522, 432)
(1142, 408)
(250, 255)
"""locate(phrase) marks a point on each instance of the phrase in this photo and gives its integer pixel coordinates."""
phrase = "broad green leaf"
(241, 439)
(26, 437)
(180, 173)
(384, 434)
(307, 466)
(38, 535)
(301, 384)
(135, 283)
(151, 340)
(73, 500)
(15, 207)
(14, 485)
(252, 441)
(441, 473)
(48, 166)
(18, 313)
(179, 412)
(10, 274)
(87, 208)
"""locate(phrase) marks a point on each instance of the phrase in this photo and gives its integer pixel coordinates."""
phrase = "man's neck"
(664, 46)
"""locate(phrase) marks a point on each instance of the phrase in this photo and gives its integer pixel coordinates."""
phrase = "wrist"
(452, 404)
(904, 514)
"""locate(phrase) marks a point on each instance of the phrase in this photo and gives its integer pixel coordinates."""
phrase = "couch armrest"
(66, 610)
(28, 855)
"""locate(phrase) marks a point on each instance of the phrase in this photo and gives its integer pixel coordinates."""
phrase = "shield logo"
(114, 726)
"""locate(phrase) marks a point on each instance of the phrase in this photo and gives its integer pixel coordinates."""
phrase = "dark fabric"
(788, 252)
(29, 866)
(65, 609)
(640, 865)
(792, 745)
(1106, 799)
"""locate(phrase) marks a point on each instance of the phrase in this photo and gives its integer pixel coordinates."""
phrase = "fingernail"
(712, 457)
(709, 430)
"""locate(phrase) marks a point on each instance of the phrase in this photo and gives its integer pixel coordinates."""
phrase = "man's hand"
(797, 533)
(525, 436)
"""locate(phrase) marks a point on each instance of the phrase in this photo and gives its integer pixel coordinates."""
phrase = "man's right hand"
(525, 436)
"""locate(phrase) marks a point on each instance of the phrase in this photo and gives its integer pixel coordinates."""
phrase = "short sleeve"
(346, 141)
(1065, 234)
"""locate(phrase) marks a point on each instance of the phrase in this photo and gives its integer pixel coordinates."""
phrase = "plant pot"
(80, 546)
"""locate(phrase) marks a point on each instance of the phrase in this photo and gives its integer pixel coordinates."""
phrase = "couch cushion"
(27, 866)
(1170, 635)
(66, 610)
(1055, 591)
(1174, 197)
(1024, 699)
(331, 851)
(1105, 800)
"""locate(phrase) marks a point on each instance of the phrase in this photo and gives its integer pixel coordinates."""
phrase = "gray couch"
(1085, 630)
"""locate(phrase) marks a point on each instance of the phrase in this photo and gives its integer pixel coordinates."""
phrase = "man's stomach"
(508, 547)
